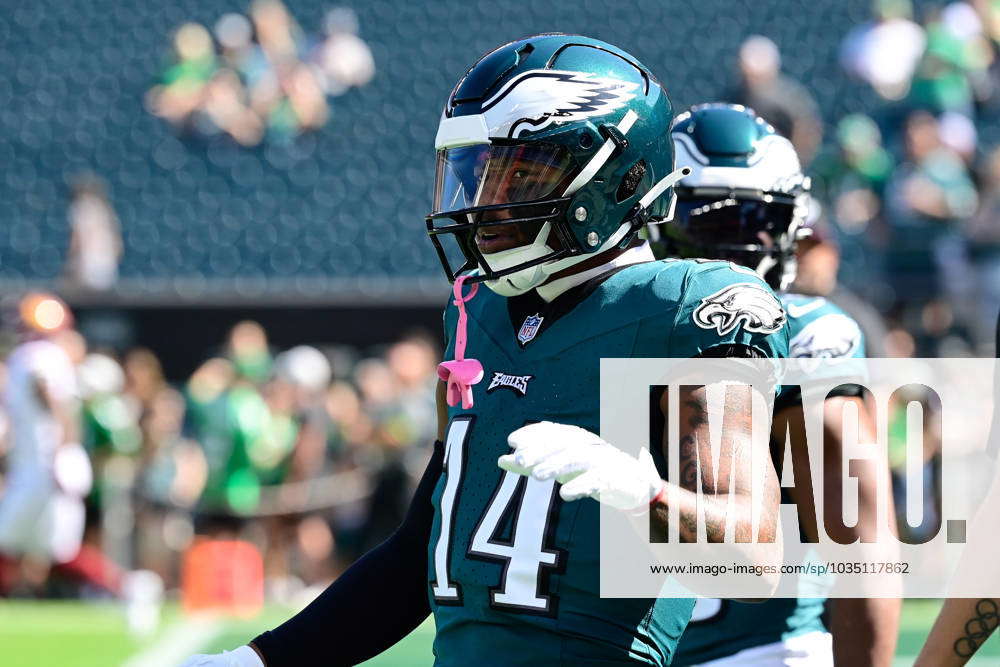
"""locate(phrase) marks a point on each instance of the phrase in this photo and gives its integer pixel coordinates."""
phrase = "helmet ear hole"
(630, 182)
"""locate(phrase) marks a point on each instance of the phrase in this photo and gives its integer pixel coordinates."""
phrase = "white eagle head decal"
(746, 304)
(832, 336)
(538, 98)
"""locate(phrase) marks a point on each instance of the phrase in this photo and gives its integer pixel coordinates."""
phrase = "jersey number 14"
(524, 556)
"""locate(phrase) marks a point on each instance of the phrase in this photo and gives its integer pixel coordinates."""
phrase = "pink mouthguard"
(461, 373)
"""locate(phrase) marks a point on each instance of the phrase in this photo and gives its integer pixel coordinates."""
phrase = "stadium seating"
(348, 200)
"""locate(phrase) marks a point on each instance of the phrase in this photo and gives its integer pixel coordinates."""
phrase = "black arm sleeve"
(371, 606)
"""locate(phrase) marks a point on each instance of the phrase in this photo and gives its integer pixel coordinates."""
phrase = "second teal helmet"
(551, 149)
(746, 199)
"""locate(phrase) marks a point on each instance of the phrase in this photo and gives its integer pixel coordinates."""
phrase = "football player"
(552, 153)
(48, 472)
(745, 202)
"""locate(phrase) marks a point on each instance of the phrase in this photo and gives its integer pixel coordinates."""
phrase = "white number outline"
(451, 593)
(547, 602)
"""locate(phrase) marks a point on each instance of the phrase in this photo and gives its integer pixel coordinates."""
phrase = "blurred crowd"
(909, 191)
(310, 454)
(260, 76)
(907, 187)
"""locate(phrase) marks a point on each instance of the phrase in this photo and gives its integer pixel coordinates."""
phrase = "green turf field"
(75, 634)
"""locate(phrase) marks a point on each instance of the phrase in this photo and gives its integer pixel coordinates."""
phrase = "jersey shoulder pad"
(725, 296)
(819, 329)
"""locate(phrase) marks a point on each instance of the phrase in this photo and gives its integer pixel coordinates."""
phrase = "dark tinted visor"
(484, 174)
(733, 222)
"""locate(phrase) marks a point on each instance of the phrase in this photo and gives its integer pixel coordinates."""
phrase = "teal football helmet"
(746, 199)
(551, 149)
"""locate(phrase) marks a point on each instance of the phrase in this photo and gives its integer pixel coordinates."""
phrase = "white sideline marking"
(178, 642)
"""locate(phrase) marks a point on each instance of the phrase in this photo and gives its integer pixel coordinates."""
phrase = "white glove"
(71, 468)
(584, 464)
(244, 656)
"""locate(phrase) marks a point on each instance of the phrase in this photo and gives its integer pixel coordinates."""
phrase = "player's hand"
(585, 465)
(244, 656)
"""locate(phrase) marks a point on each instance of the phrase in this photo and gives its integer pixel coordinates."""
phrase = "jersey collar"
(551, 290)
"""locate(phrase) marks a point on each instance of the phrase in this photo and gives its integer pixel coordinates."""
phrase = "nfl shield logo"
(530, 328)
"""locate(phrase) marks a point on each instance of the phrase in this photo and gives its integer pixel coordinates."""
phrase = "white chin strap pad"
(517, 283)
(524, 280)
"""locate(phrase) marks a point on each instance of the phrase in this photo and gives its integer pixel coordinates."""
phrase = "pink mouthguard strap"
(461, 373)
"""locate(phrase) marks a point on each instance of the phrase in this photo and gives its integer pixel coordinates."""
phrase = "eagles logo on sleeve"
(832, 336)
(746, 304)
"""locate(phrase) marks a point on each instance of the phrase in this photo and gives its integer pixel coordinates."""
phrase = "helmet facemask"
(504, 194)
(749, 228)
(531, 212)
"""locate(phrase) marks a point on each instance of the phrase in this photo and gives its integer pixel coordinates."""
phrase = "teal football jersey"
(820, 330)
(513, 570)
(720, 628)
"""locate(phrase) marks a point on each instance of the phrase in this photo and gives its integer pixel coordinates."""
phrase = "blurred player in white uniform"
(48, 473)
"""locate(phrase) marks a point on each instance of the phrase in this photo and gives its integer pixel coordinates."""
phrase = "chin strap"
(461, 373)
